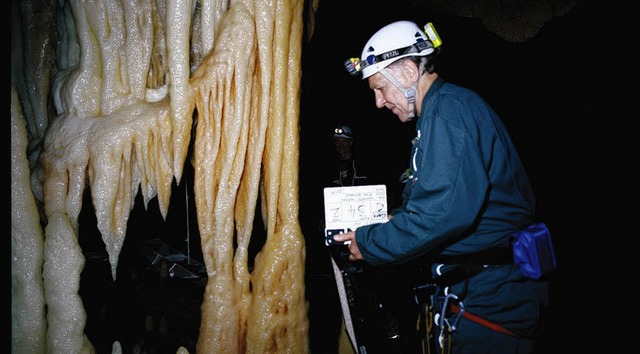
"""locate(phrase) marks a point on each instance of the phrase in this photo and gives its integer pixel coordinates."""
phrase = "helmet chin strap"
(409, 92)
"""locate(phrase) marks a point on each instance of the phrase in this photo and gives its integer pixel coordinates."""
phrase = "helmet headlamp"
(342, 132)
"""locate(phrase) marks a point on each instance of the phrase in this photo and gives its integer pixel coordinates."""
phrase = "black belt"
(491, 256)
(466, 266)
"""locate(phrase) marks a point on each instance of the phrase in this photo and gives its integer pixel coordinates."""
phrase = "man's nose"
(380, 101)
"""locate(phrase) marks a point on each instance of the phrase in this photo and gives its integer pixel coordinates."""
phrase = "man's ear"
(410, 70)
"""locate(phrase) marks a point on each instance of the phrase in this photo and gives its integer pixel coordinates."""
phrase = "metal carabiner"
(442, 320)
(451, 325)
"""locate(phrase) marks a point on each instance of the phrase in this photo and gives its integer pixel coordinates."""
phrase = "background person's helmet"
(395, 41)
(343, 131)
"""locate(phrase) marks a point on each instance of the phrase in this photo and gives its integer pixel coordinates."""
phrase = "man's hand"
(349, 238)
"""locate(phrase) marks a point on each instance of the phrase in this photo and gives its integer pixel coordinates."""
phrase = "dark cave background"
(566, 96)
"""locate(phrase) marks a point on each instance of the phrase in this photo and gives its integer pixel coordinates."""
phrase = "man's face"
(342, 145)
(389, 96)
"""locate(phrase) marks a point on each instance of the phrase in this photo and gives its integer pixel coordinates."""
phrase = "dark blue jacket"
(468, 192)
(469, 189)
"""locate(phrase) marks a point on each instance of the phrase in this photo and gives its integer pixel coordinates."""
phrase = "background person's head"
(342, 139)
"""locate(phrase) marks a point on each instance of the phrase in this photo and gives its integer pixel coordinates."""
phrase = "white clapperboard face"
(350, 207)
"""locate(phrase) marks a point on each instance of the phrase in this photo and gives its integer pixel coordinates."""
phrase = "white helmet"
(394, 41)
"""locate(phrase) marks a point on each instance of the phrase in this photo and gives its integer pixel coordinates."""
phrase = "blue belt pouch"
(533, 251)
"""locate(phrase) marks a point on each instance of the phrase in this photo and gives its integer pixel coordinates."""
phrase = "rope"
(344, 303)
